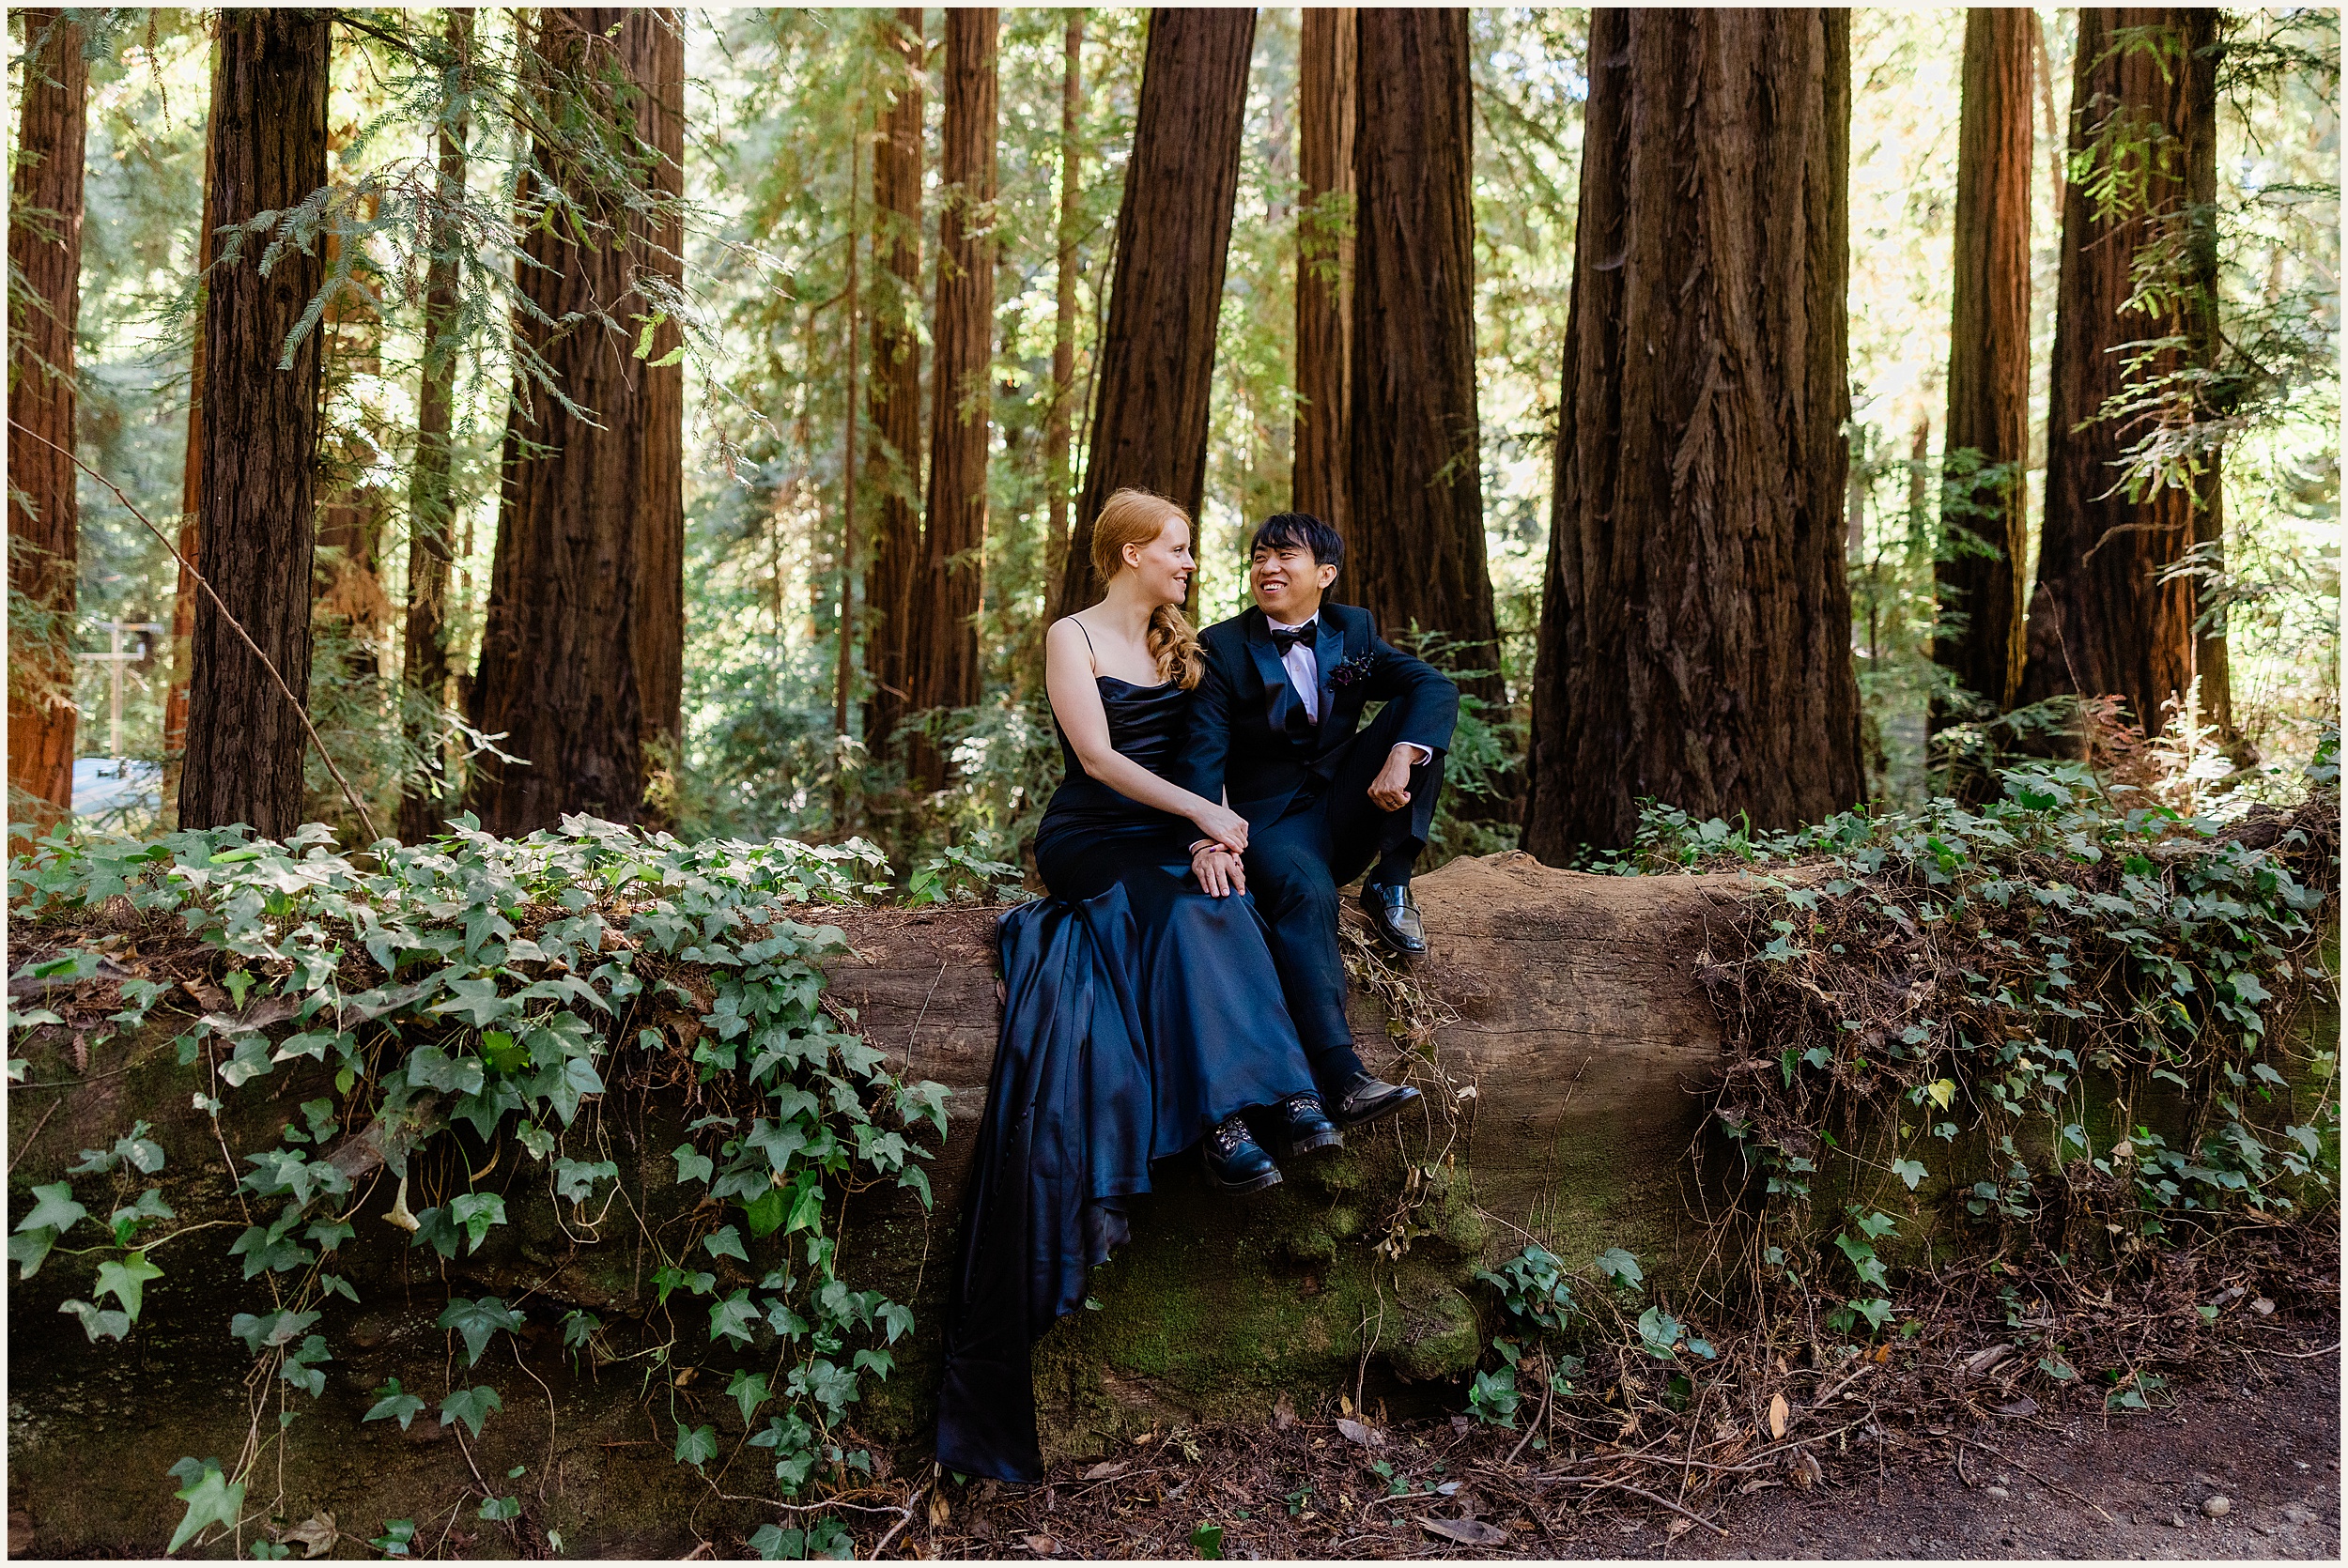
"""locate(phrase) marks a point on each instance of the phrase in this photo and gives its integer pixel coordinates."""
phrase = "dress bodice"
(1145, 724)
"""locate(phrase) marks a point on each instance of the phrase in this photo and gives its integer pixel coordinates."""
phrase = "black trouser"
(1329, 834)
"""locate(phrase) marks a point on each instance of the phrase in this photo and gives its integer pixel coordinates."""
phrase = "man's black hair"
(1300, 530)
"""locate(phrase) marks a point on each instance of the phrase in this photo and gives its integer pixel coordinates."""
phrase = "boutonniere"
(1353, 670)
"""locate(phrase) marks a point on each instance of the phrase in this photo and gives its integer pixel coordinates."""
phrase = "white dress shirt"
(1303, 667)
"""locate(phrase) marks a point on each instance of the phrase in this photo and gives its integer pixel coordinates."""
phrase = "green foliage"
(486, 982)
(1534, 1287)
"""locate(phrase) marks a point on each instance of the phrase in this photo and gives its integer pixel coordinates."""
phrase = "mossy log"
(1557, 1026)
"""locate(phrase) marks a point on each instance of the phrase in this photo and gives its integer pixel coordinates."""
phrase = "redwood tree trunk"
(2101, 621)
(45, 248)
(1326, 116)
(1978, 578)
(945, 638)
(190, 541)
(1695, 621)
(893, 460)
(652, 44)
(1156, 358)
(260, 427)
(431, 493)
(560, 673)
(1415, 483)
(1057, 427)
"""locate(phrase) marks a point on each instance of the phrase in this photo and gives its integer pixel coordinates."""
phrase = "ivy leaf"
(692, 1165)
(497, 1510)
(470, 1405)
(1942, 1091)
(696, 1445)
(1908, 1171)
(478, 1003)
(54, 1209)
(395, 1402)
(576, 1180)
(28, 1248)
(1621, 1267)
(212, 1498)
(749, 1390)
(265, 1333)
(477, 1321)
(476, 1212)
(725, 1241)
(734, 1318)
(126, 1280)
(97, 1322)
(431, 1068)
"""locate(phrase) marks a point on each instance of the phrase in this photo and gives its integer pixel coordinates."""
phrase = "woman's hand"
(1218, 871)
(1224, 826)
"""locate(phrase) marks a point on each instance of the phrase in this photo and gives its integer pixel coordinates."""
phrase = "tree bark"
(2101, 621)
(1695, 619)
(190, 541)
(1414, 478)
(1156, 360)
(562, 674)
(1056, 431)
(653, 42)
(894, 398)
(1327, 114)
(945, 636)
(431, 492)
(348, 586)
(44, 516)
(260, 429)
(1985, 443)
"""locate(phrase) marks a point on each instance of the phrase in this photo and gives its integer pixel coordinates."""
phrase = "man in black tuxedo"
(1276, 734)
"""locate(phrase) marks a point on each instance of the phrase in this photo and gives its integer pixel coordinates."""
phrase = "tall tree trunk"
(1985, 443)
(945, 638)
(652, 44)
(190, 541)
(431, 491)
(260, 425)
(349, 586)
(1327, 116)
(1154, 364)
(894, 458)
(560, 673)
(1056, 478)
(2101, 621)
(1695, 621)
(1416, 482)
(45, 517)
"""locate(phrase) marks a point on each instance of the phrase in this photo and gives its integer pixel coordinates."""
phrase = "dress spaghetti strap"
(1092, 652)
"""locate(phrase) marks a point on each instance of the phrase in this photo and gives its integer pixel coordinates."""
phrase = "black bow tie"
(1286, 638)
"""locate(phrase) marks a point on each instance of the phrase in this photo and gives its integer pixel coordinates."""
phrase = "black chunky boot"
(1306, 1127)
(1235, 1161)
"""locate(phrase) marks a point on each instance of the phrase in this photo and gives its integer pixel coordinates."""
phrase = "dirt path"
(2050, 1484)
(2133, 1486)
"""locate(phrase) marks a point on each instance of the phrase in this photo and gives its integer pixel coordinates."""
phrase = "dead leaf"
(1105, 1469)
(313, 1535)
(1982, 1361)
(2263, 1307)
(1680, 1527)
(2025, 1405)
(1043, 1546)
(940, 1510)
(1283, 1412)
(1354, 1431)
(1777, 1415)
(1807, 1470)
(1467, 1532)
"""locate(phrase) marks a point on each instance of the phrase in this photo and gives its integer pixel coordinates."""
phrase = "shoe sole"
(1382, 1111)
(1238, 1190)
(1333, 1139)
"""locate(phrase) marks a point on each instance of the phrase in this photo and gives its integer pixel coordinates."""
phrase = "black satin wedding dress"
(1138, 1011)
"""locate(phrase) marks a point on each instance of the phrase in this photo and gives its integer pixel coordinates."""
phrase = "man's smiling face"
(1288, 582)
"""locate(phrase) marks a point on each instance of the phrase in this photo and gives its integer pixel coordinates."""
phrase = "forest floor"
(2259, 1427)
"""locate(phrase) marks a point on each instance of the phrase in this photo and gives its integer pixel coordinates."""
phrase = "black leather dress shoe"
(1306, 1127)
(1364, 1098)
(1393, 916)
(1235, 1161)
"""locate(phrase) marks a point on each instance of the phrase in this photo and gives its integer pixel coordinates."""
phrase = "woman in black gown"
(1141, 1015)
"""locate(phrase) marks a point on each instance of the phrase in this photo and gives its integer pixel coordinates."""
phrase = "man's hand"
(1218, 871)
(1391, 788)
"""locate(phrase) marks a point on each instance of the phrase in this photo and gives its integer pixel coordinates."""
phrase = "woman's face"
(1163, 567)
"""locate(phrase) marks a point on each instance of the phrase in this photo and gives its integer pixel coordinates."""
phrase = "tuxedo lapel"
(1340, 648)
(1283, 711)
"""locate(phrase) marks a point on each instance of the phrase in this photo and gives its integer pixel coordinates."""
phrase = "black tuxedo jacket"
(1249, 733)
